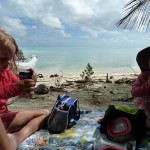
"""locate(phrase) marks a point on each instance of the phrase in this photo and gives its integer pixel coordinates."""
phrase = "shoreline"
(65, 78)
(96, 73)
(100, 71)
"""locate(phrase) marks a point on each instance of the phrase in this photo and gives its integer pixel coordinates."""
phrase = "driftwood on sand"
(92, 94)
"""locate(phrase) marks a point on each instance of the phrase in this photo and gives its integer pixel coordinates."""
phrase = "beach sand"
(93, 95)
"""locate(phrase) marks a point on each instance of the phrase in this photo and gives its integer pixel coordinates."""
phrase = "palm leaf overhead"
(137, 15)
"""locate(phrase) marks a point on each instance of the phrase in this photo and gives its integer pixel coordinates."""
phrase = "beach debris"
(54, 75)
(94, 96)
(99, 94)
(125, 80)
(113, 92)
(81, 81)
(40, 75)
(96, 91)
(111, 77)
(101, 80)
(66, 84)
(42, 89)
(57, 80)
(57, 89)
(124, 99)
(70, 82)
(107, 79)
(82, 84)
(133, 70)
(77, 81)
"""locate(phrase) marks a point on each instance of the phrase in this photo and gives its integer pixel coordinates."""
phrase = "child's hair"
(7, 41)
(143, 58)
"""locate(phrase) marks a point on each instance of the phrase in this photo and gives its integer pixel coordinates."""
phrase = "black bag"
(64, 113)
(131, 120)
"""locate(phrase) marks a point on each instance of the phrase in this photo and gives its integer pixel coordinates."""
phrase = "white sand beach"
(92, 95)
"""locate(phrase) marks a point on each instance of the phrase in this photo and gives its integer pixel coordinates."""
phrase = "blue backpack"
(64, 113)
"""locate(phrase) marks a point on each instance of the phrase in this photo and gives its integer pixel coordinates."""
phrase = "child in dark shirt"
(141, 87)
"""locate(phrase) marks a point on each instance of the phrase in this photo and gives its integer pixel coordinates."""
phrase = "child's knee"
(45, 112)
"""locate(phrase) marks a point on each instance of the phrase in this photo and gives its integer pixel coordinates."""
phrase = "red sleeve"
(9, 87)
(10, 91)
(13, 77)
(140, 87)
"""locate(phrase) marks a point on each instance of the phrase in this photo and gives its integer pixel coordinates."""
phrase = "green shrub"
(87, 73)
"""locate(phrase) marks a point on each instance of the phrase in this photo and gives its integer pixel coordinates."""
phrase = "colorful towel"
(81, 136)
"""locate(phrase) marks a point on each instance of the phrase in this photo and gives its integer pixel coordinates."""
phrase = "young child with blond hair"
(15, 126)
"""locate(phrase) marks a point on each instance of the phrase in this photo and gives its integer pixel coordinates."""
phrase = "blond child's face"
(6, 56)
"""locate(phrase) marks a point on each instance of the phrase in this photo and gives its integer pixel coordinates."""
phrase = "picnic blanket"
(82, 136)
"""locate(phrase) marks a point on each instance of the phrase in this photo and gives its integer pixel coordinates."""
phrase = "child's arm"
(140, 87)
(10, 90)
(17, 88)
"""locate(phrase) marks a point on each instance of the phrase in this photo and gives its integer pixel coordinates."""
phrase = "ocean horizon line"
(73, 60)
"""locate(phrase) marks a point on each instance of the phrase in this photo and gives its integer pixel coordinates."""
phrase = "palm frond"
(137, 15)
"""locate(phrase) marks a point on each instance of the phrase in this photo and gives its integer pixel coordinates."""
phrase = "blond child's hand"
(34, 75)
(27, 85)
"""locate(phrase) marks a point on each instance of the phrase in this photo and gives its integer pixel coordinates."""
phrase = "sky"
(68, 23)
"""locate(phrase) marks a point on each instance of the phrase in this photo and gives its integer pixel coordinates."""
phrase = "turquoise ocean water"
(52, 60)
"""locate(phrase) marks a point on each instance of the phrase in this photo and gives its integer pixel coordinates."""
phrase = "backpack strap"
(77, 117)
(74, 110)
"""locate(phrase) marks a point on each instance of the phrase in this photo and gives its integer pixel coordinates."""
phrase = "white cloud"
(53, 19)
(14, 25)
(79, 7)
